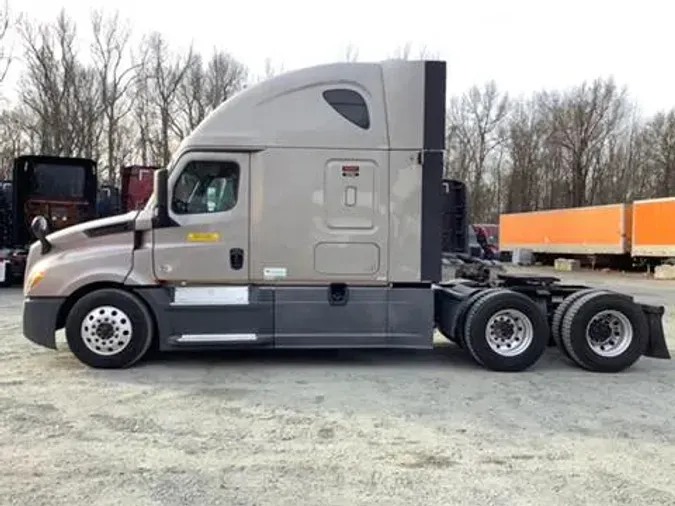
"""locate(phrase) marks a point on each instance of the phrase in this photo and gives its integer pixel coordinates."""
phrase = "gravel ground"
(332, 428)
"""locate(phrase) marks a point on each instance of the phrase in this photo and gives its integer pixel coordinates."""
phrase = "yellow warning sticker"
(203, 237)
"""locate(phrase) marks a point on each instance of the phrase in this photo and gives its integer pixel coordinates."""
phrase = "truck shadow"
(447, 357)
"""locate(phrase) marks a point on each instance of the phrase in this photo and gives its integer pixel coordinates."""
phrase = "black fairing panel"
(432, 169)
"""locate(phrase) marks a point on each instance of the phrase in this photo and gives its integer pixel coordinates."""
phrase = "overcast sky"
(524, 45)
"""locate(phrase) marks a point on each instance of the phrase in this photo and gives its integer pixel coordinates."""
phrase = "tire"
(111, 310)
(559, 314)
(460, 325)
(620, 351)
(517, 351)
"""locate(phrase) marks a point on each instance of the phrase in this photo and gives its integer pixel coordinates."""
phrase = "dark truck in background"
(5, 213)
(6, 231)
(108, 201)
(62, 189)
(59, 188)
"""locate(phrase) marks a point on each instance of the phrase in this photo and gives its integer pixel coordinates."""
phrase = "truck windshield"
(52, 181)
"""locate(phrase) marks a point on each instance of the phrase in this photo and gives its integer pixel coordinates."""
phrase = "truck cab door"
(208, 200)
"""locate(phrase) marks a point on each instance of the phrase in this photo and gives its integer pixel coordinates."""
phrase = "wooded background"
(122, 103)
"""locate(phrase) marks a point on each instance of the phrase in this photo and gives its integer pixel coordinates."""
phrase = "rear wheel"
(109, 328)
(460, 326)
(605, 332)
(506, 331)
(559, 314)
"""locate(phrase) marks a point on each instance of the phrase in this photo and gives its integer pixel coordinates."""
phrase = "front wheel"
(109, 328)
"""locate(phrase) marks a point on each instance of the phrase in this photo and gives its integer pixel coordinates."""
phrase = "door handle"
(236, 258)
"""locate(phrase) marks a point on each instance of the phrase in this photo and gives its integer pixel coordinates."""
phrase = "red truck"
(137, 186)
(137, 183)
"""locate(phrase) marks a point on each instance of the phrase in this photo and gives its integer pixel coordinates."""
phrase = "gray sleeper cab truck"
(306, 212)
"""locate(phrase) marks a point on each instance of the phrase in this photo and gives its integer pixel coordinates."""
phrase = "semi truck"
(136, 184)
(61, 189)
(307, 212)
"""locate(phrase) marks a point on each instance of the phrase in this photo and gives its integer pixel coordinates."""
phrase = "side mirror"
(162, 196)
(40, 228)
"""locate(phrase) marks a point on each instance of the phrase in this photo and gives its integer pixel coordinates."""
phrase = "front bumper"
(39, 320)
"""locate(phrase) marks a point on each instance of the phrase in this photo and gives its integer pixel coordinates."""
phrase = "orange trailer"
(594, 230)
(654, 228)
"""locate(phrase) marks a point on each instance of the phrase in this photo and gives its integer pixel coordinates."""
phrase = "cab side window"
(206, 187)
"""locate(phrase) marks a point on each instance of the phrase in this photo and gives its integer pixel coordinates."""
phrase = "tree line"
(587, 145)
(115, 103)
(122, 103)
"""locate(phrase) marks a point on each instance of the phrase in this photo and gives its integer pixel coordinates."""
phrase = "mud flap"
(656, 345)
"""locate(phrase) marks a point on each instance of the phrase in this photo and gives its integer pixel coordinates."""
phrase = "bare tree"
(57, 90)
(115, 74)
(204, 88)
(191, 105)
(164, 72)
(526, 135)
(6, 53)
(427, 54)
(351, 53)
(145, 117)
(13, 139)
(476, 122)
(555, 148)
(660, 138)
(582, 120)
(270, 69)
(402, 52)
(225, 76)
(86, 113)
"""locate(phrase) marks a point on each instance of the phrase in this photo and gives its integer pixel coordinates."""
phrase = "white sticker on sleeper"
(274, 272)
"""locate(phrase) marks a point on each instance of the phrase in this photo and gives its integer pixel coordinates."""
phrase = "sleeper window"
(350, 105)
(206, 187)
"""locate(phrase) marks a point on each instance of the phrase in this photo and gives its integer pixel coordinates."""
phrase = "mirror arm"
(40, 233)
(46, 246)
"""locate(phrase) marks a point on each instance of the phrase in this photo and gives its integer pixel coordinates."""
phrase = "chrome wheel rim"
(106, 330)
(609, 333)
(509, 332)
